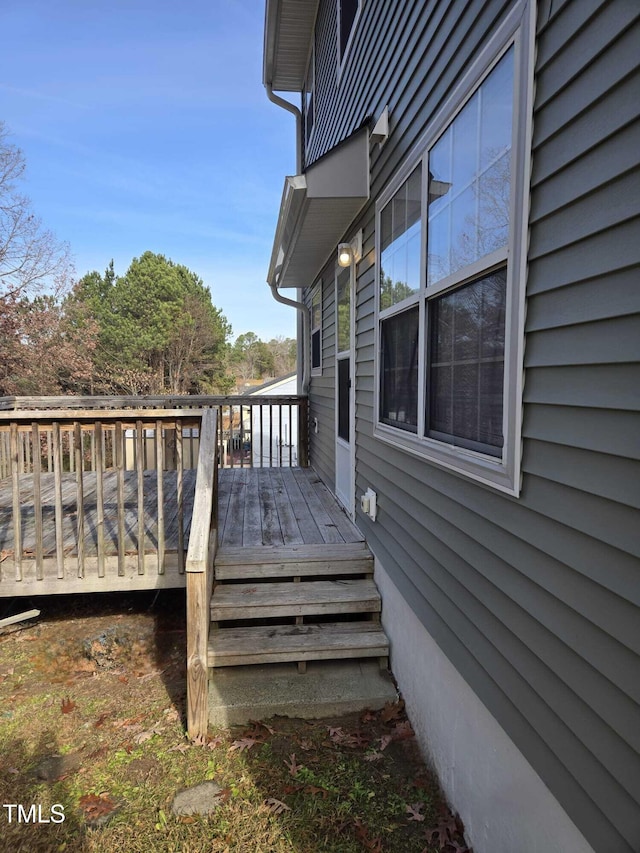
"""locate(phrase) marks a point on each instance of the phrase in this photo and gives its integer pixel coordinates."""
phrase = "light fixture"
(345, 254)
(349, 253)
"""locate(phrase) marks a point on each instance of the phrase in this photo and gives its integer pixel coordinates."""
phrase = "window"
(308, 108)
(316, 330)
(450, 276)
(347, 14)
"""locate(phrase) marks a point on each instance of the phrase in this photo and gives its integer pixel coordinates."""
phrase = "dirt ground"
(93, 750)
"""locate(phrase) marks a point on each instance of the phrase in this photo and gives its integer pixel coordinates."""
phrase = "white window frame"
(342, 59)
(316, 290)
(501, 473)
(309, 90)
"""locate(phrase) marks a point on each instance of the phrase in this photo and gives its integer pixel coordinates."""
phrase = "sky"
(145, 126)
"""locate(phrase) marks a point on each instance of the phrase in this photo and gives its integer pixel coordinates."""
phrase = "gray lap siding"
(534, 599)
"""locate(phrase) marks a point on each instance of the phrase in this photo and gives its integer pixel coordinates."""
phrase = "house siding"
(322, 405)
(533, 599)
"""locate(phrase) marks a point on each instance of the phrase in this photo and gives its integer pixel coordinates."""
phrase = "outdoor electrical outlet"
(369, 504)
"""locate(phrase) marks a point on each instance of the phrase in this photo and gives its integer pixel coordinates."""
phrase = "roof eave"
(288, 33)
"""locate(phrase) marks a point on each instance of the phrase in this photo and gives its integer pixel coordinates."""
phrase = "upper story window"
(348, 11)
(450, 278)
(316, 330)
(308, 97)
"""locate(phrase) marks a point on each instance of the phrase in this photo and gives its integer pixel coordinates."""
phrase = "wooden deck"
(83, 574)
(258, 508)
(279, 507)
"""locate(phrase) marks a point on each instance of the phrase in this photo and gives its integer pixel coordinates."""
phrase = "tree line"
(152, 330)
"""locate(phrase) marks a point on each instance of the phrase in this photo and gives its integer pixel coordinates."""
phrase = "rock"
(201, 799)
(54, 767)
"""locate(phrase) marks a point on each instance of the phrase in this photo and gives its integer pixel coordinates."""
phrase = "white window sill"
(478, 467)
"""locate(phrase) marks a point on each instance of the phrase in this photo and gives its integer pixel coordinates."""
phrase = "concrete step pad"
(327, 689)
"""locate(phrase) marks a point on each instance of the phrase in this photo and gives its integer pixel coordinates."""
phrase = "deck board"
(257, 508)
(69, 524)
(296, 509)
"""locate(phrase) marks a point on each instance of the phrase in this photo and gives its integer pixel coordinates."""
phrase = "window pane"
(466, 371)
(399, 379)
(316, 300)
(400, 228)
(315, 349)
(343, 316)
(470, 179)
(344, 398)
(348, 10)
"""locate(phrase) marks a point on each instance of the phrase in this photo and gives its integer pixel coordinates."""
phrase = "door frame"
(346, 450)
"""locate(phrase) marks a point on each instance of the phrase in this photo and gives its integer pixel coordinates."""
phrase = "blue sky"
(145, 125)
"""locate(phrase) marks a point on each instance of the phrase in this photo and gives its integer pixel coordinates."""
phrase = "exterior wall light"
(349, 252)
(345, 254)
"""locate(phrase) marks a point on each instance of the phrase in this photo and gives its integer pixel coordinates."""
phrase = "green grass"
(301, 786)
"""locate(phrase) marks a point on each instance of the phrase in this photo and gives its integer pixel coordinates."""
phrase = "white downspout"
(287, 105)
(299, 306)
(306, 333)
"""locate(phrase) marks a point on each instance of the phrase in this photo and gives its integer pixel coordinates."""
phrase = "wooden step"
(300, 561)
(284, 643)
(307, 598)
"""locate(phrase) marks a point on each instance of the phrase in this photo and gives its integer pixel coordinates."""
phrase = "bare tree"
(30, 255)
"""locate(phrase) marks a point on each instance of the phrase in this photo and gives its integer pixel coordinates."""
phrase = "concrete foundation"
(505, 806)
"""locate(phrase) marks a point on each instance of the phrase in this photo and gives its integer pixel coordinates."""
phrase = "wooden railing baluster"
(140, 481)
(99, 469)
(160, 496)
(77, 433)
(37, 498)
(119, 439)
(15, 451)
(57, 488)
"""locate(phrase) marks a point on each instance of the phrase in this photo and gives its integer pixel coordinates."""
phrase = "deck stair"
(295, 604)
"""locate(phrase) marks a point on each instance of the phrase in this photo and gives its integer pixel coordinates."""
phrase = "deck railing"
(260, 431)
(203, 544)
(89, 487)
(75, 516)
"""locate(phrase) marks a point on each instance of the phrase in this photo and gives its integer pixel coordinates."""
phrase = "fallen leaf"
(314, 789)
(179, 747)
(403, 731)
(391, 711)
(415, 812)
(96, 806)
(259, 724)
(100, 721)
(67, 706)
(291, 764)
(373, 845)
(243, 743)
(385, 740)
(276, 806)
(373, 756)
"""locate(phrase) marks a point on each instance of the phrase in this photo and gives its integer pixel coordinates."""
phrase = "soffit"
(288, 32)
(316, 211)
